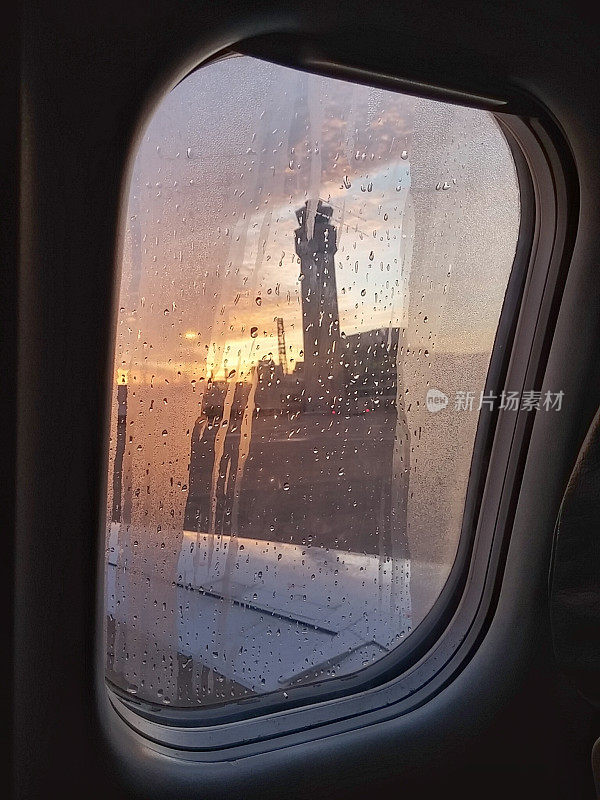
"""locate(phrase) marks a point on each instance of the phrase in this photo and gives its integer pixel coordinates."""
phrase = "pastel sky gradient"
(425, 202)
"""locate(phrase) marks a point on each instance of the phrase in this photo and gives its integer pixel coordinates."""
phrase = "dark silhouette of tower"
(281, 345)
(323, 372)
(119, 450)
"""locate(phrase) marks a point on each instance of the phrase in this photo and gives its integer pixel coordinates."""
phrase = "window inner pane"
(312, 277)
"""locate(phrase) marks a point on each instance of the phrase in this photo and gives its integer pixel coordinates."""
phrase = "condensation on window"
(304, 261)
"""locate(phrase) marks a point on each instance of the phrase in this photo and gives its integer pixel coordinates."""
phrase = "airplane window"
(312, 277)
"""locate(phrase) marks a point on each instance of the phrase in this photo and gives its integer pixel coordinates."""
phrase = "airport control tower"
(323, 372)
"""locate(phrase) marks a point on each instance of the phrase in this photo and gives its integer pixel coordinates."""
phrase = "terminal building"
(306, 456)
